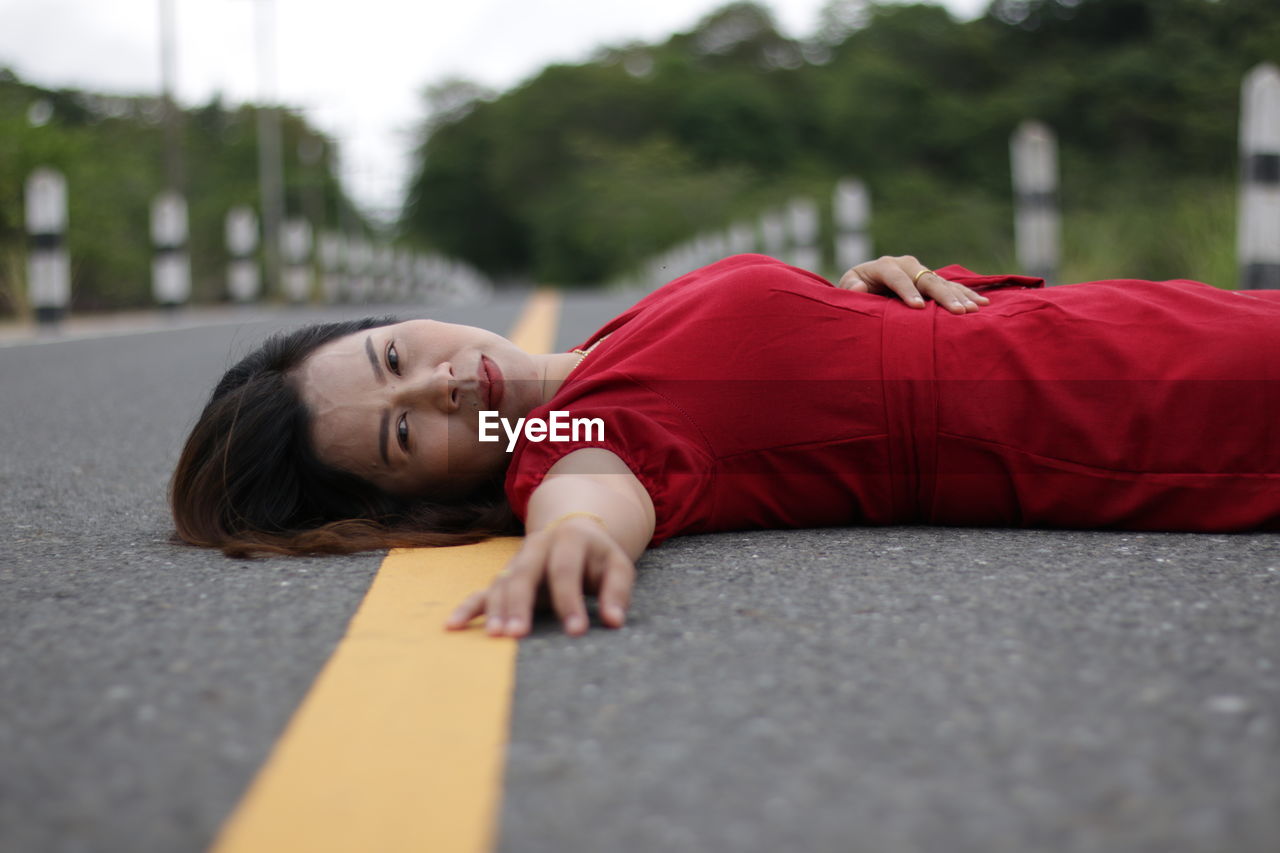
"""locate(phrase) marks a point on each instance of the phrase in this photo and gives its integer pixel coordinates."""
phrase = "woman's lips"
(493, 382)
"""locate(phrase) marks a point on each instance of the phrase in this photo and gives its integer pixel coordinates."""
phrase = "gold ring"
(915, 279)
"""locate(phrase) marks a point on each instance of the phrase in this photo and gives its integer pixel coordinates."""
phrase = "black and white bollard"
(244, 279)
(852, 207)
(295, 250)
(1037, 223)
(804, 224)
(171, 265)
(48, 265)
(1259, 228)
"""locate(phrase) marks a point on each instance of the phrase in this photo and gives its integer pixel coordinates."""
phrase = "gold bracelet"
(575, 514)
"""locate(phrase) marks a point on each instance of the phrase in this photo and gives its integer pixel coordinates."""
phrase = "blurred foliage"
(585, 170)
(111, 151)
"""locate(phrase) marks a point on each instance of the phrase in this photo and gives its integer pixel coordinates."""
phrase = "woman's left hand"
(913, 282)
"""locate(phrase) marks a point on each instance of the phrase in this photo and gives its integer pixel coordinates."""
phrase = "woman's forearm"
(595, 481)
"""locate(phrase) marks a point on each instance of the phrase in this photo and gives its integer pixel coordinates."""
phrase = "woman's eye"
(402, 432)
(393, 359)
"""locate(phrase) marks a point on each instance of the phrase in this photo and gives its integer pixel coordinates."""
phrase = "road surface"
(844, 690)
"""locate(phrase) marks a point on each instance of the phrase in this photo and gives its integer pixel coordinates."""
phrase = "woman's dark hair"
(249, 481)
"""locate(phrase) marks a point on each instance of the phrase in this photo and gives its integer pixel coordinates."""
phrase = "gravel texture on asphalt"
(909, 689)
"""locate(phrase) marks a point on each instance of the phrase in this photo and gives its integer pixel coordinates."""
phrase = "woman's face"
(398, 405)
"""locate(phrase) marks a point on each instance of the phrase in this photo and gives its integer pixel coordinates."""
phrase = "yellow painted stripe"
(535, 331)
(400, 744)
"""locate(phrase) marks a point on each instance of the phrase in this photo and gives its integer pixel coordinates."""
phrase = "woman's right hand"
(913, 282)
(573, 557)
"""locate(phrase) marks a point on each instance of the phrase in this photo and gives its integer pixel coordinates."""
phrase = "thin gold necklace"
(583, 353)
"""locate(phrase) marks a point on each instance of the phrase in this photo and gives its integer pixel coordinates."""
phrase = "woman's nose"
(435, 387)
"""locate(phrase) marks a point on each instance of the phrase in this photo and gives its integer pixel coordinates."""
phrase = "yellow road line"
(535, 331)
(400, 744)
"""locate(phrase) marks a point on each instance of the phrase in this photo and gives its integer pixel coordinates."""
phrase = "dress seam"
(825, 442)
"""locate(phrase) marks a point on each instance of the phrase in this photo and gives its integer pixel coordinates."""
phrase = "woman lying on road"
(748, 394)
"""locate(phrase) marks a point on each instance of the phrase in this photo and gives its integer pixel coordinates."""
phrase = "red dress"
(751, 394)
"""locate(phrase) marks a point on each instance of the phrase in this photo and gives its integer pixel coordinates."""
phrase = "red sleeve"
(674, 468)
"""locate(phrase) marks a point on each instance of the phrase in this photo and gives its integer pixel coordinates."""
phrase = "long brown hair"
(248, 480)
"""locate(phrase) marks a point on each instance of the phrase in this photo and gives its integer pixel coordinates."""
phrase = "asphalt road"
(899, 689)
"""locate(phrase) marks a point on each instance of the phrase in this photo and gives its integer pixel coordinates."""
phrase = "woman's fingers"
(852, 280)
(912, 282)
(512, 593)
(508, 602)
(471, 607)
(566, 567)
(897, 279)
(615, 589)
(953, 296)
(520, 591)
(569, 563)
(881, 275)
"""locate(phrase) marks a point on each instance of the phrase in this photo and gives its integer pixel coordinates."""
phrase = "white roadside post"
(244, 281)
(852, 206)
(171, 265)
(383, 270)
(1259, 227)
(1037, 223)
(773, 234)
(802, 216)
(741, 238)
(403, 275)
(48, 265)
(359, 259)
(295, 249)
(430, 277)
(418, 276)
(331, 266)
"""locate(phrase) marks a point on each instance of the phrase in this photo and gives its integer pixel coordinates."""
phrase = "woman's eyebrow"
(377, 370)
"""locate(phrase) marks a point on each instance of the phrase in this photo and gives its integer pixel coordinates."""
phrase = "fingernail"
(615, 613)
(917, 299)
(575, 623)
(493, 626)
(515, 626)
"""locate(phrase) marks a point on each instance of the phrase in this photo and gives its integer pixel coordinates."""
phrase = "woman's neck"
(553, 369)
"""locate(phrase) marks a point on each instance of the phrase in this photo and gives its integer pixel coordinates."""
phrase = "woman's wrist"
(561, 519)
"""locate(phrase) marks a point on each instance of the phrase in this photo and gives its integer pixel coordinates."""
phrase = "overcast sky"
(357, 69)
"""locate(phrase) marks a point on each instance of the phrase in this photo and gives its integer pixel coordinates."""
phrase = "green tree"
(1143, 95)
